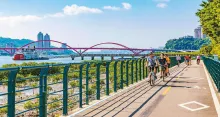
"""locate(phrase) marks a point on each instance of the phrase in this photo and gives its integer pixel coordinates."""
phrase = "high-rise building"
(47, 42)
(40, 37)
(198, 33)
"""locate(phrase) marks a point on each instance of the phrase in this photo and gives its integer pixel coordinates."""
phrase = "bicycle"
(163, 69)
(152, 76)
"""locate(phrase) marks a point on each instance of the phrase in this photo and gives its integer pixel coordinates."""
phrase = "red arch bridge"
(82, 51)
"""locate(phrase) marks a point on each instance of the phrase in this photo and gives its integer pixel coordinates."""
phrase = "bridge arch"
(106, 43)
(49, 41)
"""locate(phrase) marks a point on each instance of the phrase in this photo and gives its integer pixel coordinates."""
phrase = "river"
(9, 60)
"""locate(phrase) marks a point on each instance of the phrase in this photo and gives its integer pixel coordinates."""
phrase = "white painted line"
(203, 106)
(196, 87)
(215, 99)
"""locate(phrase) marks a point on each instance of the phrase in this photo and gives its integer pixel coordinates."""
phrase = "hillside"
(16, 42)
(186, 43)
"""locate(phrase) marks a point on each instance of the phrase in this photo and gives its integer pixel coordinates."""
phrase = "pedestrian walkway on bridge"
(187, 92)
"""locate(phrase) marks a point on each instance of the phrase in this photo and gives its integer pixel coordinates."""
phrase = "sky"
(83, 23)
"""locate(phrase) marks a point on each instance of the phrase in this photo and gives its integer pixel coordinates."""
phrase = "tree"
(206, 49)
(210, 20)
(186, 43)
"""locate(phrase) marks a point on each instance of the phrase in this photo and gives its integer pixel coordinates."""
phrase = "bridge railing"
(213, 67)
(59, 88)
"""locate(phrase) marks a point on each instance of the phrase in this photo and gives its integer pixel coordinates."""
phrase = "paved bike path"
(184, 94)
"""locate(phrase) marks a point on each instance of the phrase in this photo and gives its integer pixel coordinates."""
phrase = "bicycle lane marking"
(169, 88)
(147, 112)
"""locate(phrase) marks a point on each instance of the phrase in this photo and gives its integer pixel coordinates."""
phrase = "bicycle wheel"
(152, 79)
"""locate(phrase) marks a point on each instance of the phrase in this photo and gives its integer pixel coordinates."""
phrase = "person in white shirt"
(178, 59)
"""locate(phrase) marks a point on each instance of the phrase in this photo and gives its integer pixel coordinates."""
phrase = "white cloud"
(161, 5)
(75, 10)
(60, 14)
(111, 8)
(67, 10)
(126, 6)
(14, 20)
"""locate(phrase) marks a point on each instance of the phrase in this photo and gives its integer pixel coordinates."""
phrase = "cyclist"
(187, 59)
(157, 64)
(168, 64)
(151, 63)
(163, 65)
(190, 60)
(198, 59)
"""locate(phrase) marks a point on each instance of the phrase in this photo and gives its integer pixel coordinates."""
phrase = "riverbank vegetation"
(28, 79)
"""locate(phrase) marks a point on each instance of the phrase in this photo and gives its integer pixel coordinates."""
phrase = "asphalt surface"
(185, 93)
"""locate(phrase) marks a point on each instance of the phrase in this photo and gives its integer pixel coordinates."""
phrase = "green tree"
(206, 49)
(186, 43)
(210, 20)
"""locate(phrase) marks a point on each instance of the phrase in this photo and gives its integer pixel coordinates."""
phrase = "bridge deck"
(185, 94)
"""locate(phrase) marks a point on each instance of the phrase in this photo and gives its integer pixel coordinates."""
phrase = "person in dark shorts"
(163, 65)
(187, 59)
(168, 64)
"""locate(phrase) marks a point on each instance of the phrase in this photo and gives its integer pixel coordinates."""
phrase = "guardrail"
(53, 89)
(213, 67)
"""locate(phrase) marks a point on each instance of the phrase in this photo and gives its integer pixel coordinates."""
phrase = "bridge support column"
(112, 57)
(102, 58)
(92, 58)
(72, 57)
(82, 57)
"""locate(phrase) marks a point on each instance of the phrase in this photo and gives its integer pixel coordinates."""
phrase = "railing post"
(43, 91)
(98, 81)
(146, 69)
(107, 78)
(143, 67)
(140, 69)
(80, 84)
(11, 92)
(127, 79)
(218, 86)
(132, 71)
(136, 63)
(87, 83)
(65, 89)
(115, 76)
(122, 80)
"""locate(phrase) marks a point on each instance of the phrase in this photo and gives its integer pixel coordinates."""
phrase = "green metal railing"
(59, 88)
(213, 67)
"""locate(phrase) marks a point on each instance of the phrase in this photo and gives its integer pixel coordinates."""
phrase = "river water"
(9, 60)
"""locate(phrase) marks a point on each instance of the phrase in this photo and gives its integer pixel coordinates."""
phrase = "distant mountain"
(16, 42)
